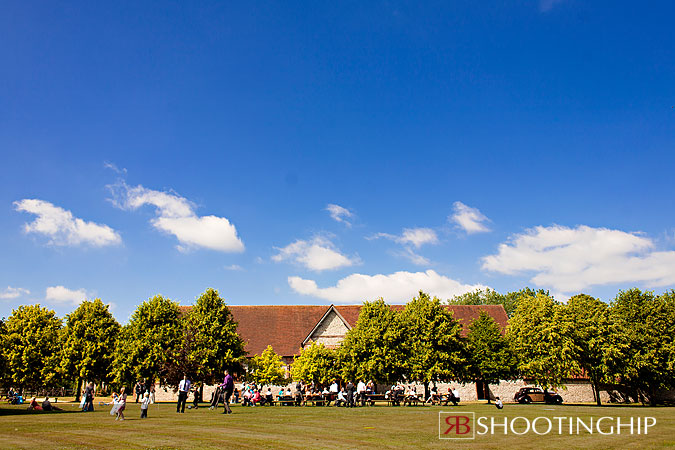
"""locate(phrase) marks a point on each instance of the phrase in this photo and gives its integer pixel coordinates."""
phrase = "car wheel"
(558, 400)
(527, 400)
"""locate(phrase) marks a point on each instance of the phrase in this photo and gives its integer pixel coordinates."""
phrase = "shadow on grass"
(18, 411)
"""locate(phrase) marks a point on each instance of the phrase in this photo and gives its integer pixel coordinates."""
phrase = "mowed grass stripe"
(308, 427)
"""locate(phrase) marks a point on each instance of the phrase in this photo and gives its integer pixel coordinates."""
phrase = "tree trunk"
(77, 390)
(486, 391)
(596, 393)
(426, 390)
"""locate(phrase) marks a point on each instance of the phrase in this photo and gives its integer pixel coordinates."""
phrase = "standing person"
(361, 392)
(144, 405)
(122, 404)
(350, 394)
(228, 387)
(152, 393)
(183, 390)
(138, 390)
(89, 397)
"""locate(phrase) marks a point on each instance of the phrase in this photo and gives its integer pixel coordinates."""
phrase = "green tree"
(540, 338)
(210, 343)
(151, 337)
(489, 296)
(31, 348)
(373, 349)
(3, 360)
(88, 342)
(433, 345)
(590, 327)
(316, 363)
(490, 356)
(267, 369)
(646, 323)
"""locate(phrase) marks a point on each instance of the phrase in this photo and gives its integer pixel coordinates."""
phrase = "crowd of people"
(345, 395)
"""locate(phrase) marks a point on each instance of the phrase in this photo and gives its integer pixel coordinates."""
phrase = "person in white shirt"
(334, 388)
(144, 405)
(361, 392)
(498, 403)
(341, 399)
(183, 390)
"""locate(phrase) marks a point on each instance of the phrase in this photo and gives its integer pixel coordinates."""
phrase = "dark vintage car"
(535, 394)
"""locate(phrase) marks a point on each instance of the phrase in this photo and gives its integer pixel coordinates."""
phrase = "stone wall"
(330, 332)
(574, 392)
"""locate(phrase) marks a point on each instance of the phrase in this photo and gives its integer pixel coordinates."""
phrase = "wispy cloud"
(394, 288)
(12, 293)
(317, 254)
(340, 214)
(64, 296)
(569, 260)
(410, 238)
(234, 268)
(114, 168)
(469, 219)
(176, 216)
(62, 228)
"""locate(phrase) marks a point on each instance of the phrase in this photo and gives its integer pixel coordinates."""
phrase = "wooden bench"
(371, 399)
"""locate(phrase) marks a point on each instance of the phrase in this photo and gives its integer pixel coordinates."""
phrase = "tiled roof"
(286, 326)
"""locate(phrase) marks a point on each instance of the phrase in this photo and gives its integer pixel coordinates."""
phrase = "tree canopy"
(147, 342)
(433, 346)
(31, 348)
(316, 363)
(373, 348)
(268, 368)
(645, 323)
(209, 339)
(541, 341)
(490, 356)
(88, 342)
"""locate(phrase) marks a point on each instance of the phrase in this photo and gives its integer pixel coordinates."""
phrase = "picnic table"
(372, 398)
(286, 400)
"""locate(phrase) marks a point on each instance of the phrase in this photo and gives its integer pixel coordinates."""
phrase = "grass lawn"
(311, 427)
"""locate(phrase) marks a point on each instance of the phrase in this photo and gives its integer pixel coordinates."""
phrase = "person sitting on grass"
(47, 406)
(33, 405)
(498, 403)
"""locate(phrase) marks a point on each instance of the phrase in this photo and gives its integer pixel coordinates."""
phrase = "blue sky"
(318, 152)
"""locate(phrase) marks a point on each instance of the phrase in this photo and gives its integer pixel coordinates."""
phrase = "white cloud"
(394, 288)
(12, 292)
(234, 267)
(176, 216)
(114, 168)
(409, 238)
(63, 295)
(62, 228)
(572, 259)
(416, 237)
(469, 219)
(318, 254)
(340, 214)
(413, 257)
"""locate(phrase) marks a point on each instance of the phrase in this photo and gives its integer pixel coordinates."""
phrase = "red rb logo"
(456, 425)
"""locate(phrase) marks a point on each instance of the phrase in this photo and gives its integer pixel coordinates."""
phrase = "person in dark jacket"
(350, 394)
